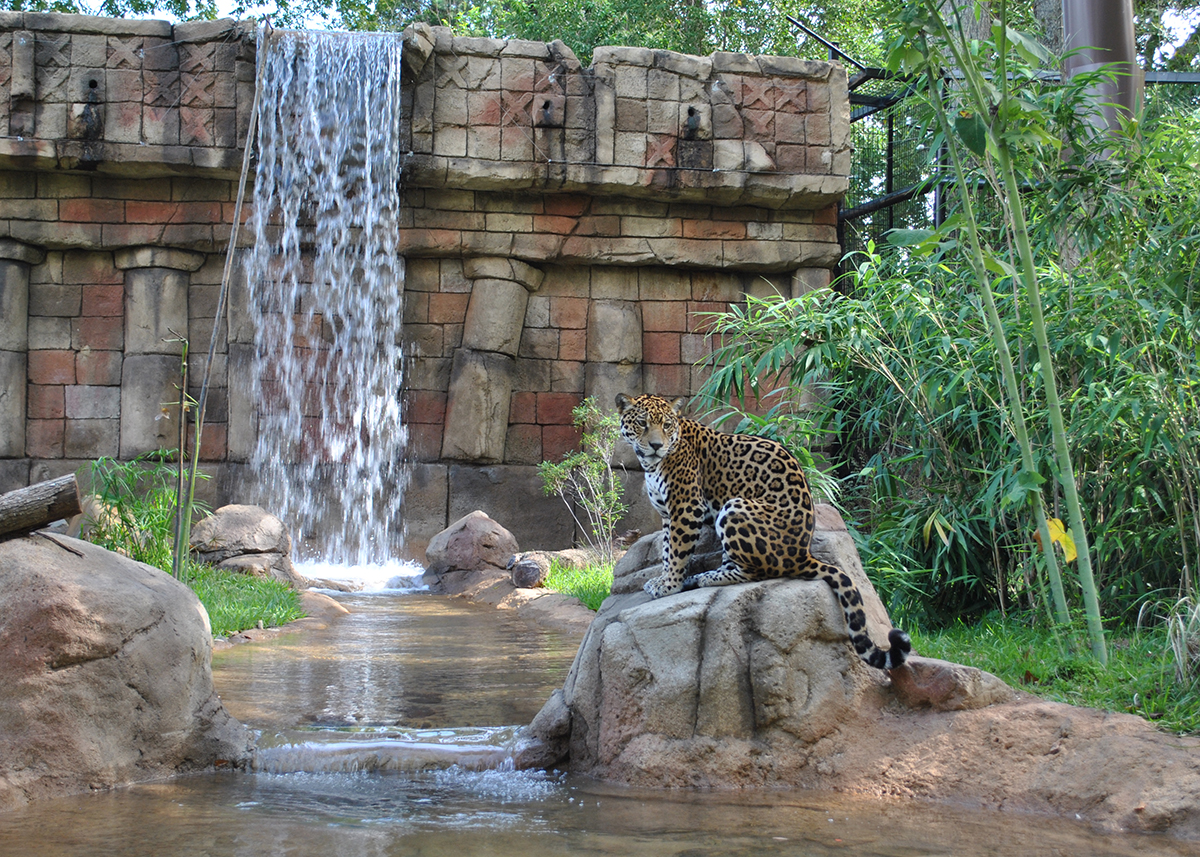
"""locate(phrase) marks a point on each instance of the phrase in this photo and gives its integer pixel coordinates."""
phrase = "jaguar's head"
(650, 425)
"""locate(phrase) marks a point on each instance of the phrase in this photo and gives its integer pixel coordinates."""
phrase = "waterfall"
(325, 286)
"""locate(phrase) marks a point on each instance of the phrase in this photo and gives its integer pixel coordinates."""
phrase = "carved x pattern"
(454, 71)
(791, 98)
(758, 94)
(53, 51)
(197, 89)
(661, 152)
(514, 108)
(124, 53)
(194, 59)
(161, 88)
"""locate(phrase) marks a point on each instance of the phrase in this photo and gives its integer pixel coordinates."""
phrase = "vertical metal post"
(889, 164)
(1101, 31)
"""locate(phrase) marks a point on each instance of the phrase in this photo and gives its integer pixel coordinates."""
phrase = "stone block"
(614, 284)
(45, 402)
(495, 316)
(156, 310)
(86, 402)
(48, 333)
(501, 268)
(105, 333)
(524, 444)
(512, 496)
(149, 404)
(14, 474)
(44, 438)
(614, 332)
(540, 343)
(242, 426)
(91, 438)
(481, 385)
(51, 367)
(605, 380)
(14, 305)
(423, 509)
(12, 403)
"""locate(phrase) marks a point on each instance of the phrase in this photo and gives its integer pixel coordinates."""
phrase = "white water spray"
(326, 285)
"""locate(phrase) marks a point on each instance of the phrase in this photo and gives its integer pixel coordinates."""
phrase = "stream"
(387, 734)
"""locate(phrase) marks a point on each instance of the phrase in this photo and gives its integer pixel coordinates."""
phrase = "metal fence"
(890, 185)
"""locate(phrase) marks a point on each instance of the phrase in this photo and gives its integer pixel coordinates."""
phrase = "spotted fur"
(754, 492)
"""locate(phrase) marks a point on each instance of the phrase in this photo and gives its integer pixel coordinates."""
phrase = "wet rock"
(247, 540)
(543, 743)
(472, 543)
(106, 666)
(529, 571)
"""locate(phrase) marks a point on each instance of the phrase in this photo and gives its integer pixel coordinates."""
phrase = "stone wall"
(564, 229)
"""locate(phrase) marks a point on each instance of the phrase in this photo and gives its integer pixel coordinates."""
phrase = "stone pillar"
(156, 311)
(15, 260)
(481, 379)
(614, 351)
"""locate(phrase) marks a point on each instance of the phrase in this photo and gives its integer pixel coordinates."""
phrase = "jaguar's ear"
(623, 403)
(678, 405)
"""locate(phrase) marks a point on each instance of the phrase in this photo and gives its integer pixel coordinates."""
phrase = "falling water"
(326, 286)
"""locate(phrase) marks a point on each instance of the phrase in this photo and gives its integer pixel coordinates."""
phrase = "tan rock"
(106, 665)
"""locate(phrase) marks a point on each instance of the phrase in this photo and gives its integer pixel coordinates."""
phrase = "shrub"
(591, 584)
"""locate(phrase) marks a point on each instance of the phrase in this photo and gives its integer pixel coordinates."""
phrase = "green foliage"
(591, 584)
(928, 449)
(137, 519)
(183, 10)
(1139, 678)
(238, 601)
(138, 508)
(585, 478)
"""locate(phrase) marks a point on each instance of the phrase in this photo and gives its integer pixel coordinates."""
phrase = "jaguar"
(754, 493)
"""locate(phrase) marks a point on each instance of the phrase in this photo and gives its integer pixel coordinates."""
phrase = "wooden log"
(34, 507)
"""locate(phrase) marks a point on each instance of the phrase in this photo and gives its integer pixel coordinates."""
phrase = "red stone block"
(103, 300)
(91, 269)
(213, 441)
(827, 216)
(173, 212)
(568, 313)
(572, 345)
(91, 211)
(425, 441)
(557, 441)
(448, 308)
(694, 347)
(664, 316)
(98, 368)
(44, 402)
(567, 205)
(103, 333)
(554, 225)
(44, 438)
(710, 229)
(555, 408)
(522, 408)
(523, 445)
(660, 348)
(426, 406)
(698, 318)
(608, 226)
(51, 367)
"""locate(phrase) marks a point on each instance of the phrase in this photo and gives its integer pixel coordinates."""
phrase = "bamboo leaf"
(970, 128)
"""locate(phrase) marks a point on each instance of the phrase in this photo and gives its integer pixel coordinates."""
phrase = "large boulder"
(247, 540)
(106, 668)
(757, 685)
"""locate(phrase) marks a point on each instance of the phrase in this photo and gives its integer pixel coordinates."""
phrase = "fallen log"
(34, 507)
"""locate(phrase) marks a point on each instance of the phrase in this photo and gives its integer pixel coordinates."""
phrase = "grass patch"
(238, 601)
(591, 584)
(1140, 677)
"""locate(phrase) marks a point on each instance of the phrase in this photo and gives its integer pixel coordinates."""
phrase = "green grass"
(238, 601)
(591, 585)
(1140, 678)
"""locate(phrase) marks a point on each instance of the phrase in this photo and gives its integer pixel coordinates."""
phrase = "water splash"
(326, 287)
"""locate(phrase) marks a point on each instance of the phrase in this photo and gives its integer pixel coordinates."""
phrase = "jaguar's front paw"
(659, 586)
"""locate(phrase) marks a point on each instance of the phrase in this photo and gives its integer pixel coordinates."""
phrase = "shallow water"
(372, 710)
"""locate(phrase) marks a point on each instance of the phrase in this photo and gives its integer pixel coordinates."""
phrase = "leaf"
(1060, 535)
(971, 129)
(909, 237)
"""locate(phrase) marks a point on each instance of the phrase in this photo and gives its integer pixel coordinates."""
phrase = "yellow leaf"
(1059, 534)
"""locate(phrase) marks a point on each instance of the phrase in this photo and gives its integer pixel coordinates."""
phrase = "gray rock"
(106, 665)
